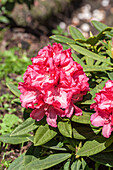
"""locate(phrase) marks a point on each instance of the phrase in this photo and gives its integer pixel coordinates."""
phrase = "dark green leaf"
(65, 128)
(25, 127)
(44, 134)
(105, 158)
(13, 89)
(94, 146)
(50, 161)
(32, 154)
(109, 149)
(83, 132)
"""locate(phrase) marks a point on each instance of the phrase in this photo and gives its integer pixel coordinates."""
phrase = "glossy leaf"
(50, 161)
(98, 25)
(44, 134)
(13, 89)
(84, 119)
(62, 39)
(65, 128)
(75, 33)
(27, 126)
(94, 146)
(90, 54)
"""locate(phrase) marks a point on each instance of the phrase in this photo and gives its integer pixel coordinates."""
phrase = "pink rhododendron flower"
(52, 84)
(104, 109)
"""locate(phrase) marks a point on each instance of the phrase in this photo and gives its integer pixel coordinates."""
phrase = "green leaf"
(44, 134)
(94, 146)
(78, 60)
(84, 165)
(24, 128)
(98, 25)
(75, 33)
(87, 102)
(67, 165)
(90, 54)
(50, 161)
(84, 119)
(109, 149)
(55, 145)
(94, 39)
(32, 154)
(17, 163)
(98, 88)
(65, 128)
(31, 138)
(13, 139)
(4, 19)
(84, 132)
(55, 148)
(105, 158)
(110, 75)
(62, 39)
(13, 89)
(76, 165)
(96, 68)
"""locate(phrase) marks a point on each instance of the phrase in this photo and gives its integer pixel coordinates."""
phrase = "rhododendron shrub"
(61, 119)
(52, 84)
(104, 109)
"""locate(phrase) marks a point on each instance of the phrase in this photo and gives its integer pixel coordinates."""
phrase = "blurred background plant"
(7, 6)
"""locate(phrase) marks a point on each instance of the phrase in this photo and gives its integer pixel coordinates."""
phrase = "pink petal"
(106, 130)
(73, 109)
(97, 120)
(28, 99)
(51, 117)
(69, 110)
(38, 114)
(78, 111)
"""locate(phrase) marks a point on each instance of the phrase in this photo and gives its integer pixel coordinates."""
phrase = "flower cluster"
(104, 109)
(52, 84)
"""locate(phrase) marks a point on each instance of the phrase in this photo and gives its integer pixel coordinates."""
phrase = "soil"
(32, 38)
